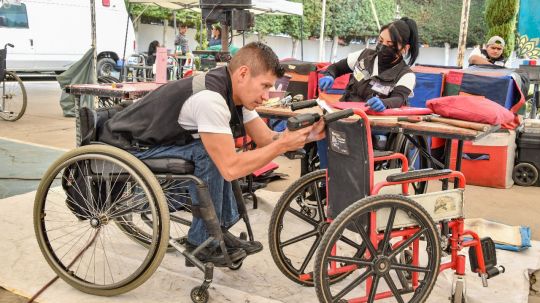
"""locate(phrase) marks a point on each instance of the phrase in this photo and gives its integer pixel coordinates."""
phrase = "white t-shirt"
(476, 51)
(207, 112)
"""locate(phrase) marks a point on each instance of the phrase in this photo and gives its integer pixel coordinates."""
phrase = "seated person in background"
(197, 119)
(151, 58)
(381, 77)
(215, 39)
(491, 54)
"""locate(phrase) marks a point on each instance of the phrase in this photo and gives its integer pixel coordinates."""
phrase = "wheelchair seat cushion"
(170, 165)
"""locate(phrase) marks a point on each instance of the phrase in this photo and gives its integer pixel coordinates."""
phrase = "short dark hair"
(259, 57)
(182, 24)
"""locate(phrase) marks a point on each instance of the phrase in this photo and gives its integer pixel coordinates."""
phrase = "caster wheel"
(237, 265)
(243, 236)
(525, 174)
(199, 295)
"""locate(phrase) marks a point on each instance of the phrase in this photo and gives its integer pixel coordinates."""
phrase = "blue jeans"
(220, 190)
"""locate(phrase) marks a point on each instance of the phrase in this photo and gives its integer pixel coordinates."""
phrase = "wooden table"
(408, 129)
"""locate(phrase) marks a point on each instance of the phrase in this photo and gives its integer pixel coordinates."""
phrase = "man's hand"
(317, 132)
(293, 140)
(376, 104)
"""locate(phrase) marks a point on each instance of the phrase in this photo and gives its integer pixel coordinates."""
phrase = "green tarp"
(81, 72)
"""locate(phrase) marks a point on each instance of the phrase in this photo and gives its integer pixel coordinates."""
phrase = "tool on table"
(305, 120)
(453, 122)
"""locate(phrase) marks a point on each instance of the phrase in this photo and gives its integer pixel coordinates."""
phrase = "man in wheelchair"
(197, 119)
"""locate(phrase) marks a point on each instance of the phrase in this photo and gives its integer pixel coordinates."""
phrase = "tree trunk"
(294, 47)
(333, 57)
(446, 53)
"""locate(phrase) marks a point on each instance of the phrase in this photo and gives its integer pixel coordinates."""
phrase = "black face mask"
(386, 54)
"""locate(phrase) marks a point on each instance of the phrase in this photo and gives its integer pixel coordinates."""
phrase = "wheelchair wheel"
(416, 159)
(139, 225)
(13, 103)
(297, 224)
(398, 223)
(79, 198)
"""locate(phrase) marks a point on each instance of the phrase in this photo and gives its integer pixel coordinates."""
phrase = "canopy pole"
(374, 11)
(302, 33)
(463, 31)
(125, 44)
(93, 27)
(321, 37)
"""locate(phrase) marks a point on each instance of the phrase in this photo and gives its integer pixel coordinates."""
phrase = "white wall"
(146, 33)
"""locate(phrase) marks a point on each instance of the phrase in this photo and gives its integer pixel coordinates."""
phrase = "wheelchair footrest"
(416, 174)
(490, 257)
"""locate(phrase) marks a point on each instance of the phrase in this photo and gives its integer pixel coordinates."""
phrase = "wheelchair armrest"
(418, 174)
(382, 153)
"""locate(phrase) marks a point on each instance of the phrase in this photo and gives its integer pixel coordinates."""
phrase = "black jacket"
(153, 120)
(363, 84)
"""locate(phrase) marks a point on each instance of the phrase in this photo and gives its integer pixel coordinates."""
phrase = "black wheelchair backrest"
(348, 164)
(92, 120)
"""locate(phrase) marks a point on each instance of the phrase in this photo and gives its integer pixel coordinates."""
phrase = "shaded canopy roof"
(257, 7)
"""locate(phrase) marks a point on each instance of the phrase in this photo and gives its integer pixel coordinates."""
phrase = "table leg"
(77, 121)
(459, 156)
(447, 157)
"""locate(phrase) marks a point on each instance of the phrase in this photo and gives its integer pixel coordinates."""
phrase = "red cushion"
(401, 111)
(471, 108)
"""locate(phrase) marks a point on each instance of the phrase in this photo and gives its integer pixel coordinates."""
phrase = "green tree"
(439, 20)
(501, 17)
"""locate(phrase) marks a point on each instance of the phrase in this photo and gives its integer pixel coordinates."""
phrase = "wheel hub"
(96, 222)
(323, 226)
(382, 265)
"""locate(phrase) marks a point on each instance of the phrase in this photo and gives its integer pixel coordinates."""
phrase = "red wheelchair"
(337, 231)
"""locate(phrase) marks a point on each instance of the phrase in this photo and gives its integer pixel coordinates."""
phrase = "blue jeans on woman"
(220, 190)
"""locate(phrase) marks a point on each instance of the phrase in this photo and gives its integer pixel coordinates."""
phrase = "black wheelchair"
(105, 219)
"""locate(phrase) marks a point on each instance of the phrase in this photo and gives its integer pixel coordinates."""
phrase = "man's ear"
(242, 72)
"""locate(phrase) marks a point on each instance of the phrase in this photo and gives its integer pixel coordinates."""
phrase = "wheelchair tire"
(199, 295)
(380, 262)
(84, 248)
(13, 97)
(179, 216)
(308, 222)
(402, 145)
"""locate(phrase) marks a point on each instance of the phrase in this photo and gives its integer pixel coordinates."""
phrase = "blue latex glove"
(376, 104)
(326, 82)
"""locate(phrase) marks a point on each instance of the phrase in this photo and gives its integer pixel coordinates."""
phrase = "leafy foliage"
(439, 20)
(501, 17)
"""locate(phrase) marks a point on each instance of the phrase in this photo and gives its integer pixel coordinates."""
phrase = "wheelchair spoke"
(310, 253)
(408, 242)
(373, 289)
(302, 216)
(363, 277)
(388, 230)
(365, 239)
(393, 288)
(300, 238)
(409, 268)
(348, 260)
